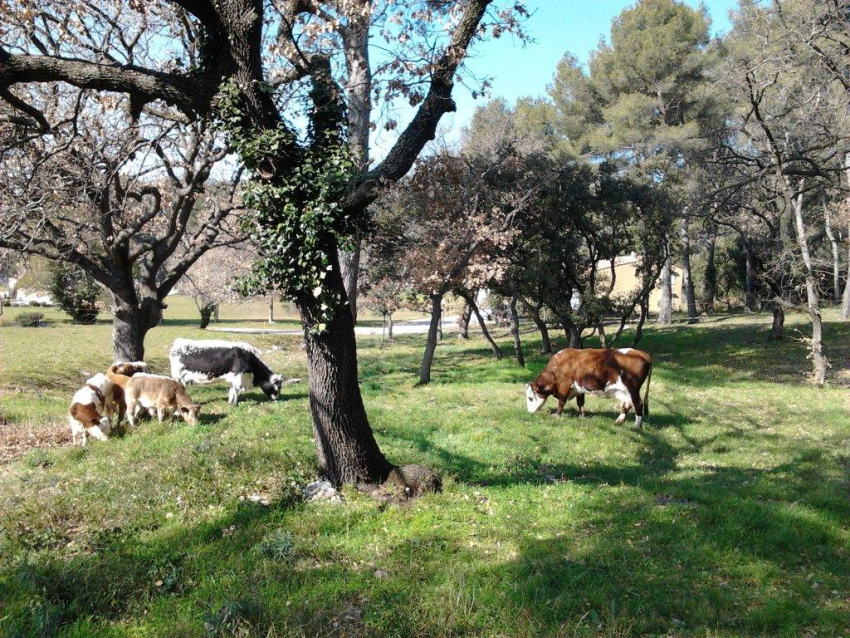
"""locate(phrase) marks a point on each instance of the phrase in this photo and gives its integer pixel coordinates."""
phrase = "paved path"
(407, 327)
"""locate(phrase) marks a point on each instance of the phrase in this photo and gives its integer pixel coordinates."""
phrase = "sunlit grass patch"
(728, 515)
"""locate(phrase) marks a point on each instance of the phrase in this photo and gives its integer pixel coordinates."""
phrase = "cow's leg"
(233, 396)
(625, 404)
(561, 404)
(580, 404)
(160, 413)
(638, 405)
(131, 412)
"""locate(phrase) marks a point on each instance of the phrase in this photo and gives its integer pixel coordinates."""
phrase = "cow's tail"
(646, 392)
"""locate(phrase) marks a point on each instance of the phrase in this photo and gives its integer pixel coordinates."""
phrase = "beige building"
(628, 279)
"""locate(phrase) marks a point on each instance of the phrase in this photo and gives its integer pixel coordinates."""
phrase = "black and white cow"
(235, 362)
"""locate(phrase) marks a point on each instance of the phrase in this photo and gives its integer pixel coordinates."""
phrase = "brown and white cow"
(87, 415)
(597, 371)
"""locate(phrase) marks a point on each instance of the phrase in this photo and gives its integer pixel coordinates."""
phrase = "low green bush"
(30, 319)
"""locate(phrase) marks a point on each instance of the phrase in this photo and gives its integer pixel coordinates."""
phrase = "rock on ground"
(322, 491)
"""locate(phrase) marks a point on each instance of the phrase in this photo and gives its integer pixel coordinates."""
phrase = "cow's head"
(538, 391)
(190, 413)
(533, 401)
(272, 386)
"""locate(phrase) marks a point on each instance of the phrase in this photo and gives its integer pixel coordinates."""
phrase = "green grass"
(729, 515)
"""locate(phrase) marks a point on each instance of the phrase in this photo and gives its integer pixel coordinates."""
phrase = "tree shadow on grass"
(654, 550)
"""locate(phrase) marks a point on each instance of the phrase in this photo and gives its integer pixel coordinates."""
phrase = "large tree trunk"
(431, 343)
(665, 304)
(515, 330)
(497, 352)
(463, 321)
(271, 308)
(345, 446)
(546, 346)
(688, 293)
(350, 265)
(749, 283)
(709, 280)
(836, 258)
(130, 324)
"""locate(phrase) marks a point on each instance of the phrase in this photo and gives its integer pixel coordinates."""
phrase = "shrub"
(76, 293)
(30, 319)
(35, 304)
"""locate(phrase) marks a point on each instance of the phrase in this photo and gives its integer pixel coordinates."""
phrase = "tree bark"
(644, 312)
(665, 304)
(358, 92)
(431, 342)
(836, 258)
(346, 448)
(130, 324)
(463, 321)
(688, 293)
(777, 328)
(845, 300)
(749, 283)
(515, 330)
(709, 283)
(572, 333)
(350, 265)
(206, 315)
(546, 346)
(215, 313)
(390, 328)
(819, 362)
(497, 352)
(271, 308)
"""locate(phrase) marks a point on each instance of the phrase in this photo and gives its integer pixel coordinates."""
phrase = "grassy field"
(729, 515)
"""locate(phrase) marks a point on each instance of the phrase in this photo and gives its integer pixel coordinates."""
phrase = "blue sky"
(557, 26)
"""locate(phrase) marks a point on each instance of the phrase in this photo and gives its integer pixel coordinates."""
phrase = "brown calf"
(162, 394)
(119, 374)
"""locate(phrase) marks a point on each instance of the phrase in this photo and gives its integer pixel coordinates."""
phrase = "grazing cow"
(161, 394)
(234, 362)
(87, 415)
(119, 374)
(600, 372)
